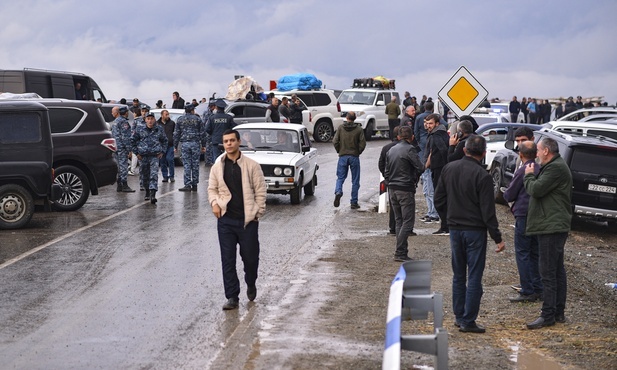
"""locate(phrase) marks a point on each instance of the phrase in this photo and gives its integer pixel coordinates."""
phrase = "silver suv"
(370, 107)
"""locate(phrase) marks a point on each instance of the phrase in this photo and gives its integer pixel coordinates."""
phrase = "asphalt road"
(122, 283)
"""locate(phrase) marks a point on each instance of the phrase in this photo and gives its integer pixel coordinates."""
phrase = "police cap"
(220, 103)
(189, 108)
(123, 110)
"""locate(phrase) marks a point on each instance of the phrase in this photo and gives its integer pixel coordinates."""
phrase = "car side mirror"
(380, 103)
(306, 148)
(509, 144)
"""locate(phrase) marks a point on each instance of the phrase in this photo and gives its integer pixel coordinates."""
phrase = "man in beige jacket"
(237, 194)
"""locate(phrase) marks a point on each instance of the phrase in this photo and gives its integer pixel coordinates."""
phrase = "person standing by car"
(189, 136)
(121, 131)
(402, 172)
(465, 194)
(525, 246)
(349, 143)
(549, 217)
(167, 164)
(514, 108)
(209, 156)
(393, 110)
(436, 157)
(546, 110)
(149, 144)
(218, 123)
(272, 112)
(284, 110)
(296, 109)
(237, 194)
(532, 108)
(178, 101)
(524, 109)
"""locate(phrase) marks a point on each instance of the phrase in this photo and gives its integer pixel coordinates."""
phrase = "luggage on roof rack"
(299, 81)
(379, 82)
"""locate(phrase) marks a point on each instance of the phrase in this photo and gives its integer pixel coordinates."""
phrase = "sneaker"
(442, 232)
(337, 199)
(131, 173)
(402, 259)
(165, 179)
(435, 220)
(355, 206)
(516, 287)
(426, 218)
(186, 188)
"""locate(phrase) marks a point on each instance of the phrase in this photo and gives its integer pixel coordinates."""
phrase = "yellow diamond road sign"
(463, 93)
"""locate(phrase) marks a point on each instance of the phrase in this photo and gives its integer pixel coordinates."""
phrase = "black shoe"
(355, 206)
(457, 323)
(442, 232)
(251, 292)
(472, 328)
(194, 188)
(402, 258)
(119, 187)
(186, 188)
(525, 298)
(540, 322)
(171, 179)
(337, 199)
(412, 234)
(141, 188)
(153, 199)
(560, 318)
(165, 180)
(392, 232)
(147, 197)
(231, 304)
(425, 218)
(126, 188)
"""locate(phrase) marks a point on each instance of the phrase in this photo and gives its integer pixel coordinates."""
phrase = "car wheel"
(309, 189)
(16, 206)
(296, 193)
(323, 131)
(496, 175)
(74, 188)
(368, 131)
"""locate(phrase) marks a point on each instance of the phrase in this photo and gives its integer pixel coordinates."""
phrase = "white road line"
(95, 223)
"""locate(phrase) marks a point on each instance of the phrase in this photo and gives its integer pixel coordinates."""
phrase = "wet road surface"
(122, 283)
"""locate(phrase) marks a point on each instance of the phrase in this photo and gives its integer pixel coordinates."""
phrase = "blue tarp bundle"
(299, 81)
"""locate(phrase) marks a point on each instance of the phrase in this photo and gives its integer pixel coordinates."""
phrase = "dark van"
(51, 84)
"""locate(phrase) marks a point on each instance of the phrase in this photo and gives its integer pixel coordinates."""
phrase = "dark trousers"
(392, 220)
(392, 123)
(468, 261)
(527, 259)
(404, 206)
(435, 174)
(231, 233)
(513, 117)
(553, 274)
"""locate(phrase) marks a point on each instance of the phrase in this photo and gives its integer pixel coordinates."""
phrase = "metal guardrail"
(410, 298)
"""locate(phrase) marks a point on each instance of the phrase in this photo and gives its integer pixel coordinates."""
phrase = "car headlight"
(359, 114)
(278, 171)
(287, 171)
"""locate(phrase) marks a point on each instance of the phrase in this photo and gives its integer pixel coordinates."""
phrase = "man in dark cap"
(121, 131)
(218, 123)
(189, 136)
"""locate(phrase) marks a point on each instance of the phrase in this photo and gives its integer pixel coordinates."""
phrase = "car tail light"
(109, 144)
(338, 106)
(310, 117)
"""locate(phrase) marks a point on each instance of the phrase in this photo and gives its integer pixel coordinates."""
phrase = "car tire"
(323, 131)
(309, 189)
(296, 193)
(369, 131)
(75, 188)
(16, 206)
(497, 183)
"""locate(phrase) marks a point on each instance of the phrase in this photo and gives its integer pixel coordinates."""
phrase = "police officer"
(218, 123)
(190, 134)
(149, 143)
(209, 158)
(121, 131)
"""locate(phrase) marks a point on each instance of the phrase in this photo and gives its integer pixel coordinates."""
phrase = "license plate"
(603, 188)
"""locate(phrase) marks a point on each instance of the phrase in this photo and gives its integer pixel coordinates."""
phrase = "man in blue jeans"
(349, 143)
(465, 193)
(525, 246)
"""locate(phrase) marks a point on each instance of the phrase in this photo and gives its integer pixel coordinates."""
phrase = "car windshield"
(357, 97)
(588, 160)
(267, 140)
(495, 134)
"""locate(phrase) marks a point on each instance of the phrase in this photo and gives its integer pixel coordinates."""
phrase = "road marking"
(95, 223)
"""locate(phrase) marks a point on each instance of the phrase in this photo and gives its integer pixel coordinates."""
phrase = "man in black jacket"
(465, 193)
(381, 164)
(457, 140)
(436, 157)
(403, 170)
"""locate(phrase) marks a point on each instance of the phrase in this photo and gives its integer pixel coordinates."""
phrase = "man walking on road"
(149, 144)
(393, 110)
(237, 194)
(121, 131)
(465, 193)
(402, 172)
(549, 217)
(189, 136)
(349, 143)
(167, 163)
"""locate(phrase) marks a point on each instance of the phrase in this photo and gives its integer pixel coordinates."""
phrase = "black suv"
(593, 163)
(26, 173)
(83, 150)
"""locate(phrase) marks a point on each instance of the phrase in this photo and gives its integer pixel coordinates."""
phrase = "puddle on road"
(530, 360)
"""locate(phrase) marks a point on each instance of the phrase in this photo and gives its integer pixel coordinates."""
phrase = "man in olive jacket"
(549, 216)
(349, 143)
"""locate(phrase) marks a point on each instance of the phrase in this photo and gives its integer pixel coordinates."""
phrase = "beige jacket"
(253, 188)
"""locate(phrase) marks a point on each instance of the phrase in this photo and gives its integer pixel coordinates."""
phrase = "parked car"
(503, 109)
(496, 135)
(603, 128)
(324, 111)
(286, 156)
(369, 103)
(26, 154)
(585, 112)
(593, 163)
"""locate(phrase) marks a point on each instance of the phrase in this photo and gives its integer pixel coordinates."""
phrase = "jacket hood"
(349, 126)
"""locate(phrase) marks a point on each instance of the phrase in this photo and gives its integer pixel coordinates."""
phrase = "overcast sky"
(148, 49)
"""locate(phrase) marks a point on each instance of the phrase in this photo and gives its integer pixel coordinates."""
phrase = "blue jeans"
(527, 257)
(468, 260)
(231, 233)
(216, 152)
(167, 163)
(553, 274)
(428, 191)
(345, 162)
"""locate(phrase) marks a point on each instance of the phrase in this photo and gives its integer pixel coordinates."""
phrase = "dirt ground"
(355, 310)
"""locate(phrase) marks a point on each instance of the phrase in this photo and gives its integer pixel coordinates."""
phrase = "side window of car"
(380, 97)
(307, 99)
(253, 111)
(19, 128)
(322, 99)
(398, 99)
(238, 110)
(65, 120)
(387, 98)
(305, 139)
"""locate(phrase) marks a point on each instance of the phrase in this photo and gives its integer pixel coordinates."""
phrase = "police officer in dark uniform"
(218, 123)
(121, 131)
(149, 142)
(190, 135)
